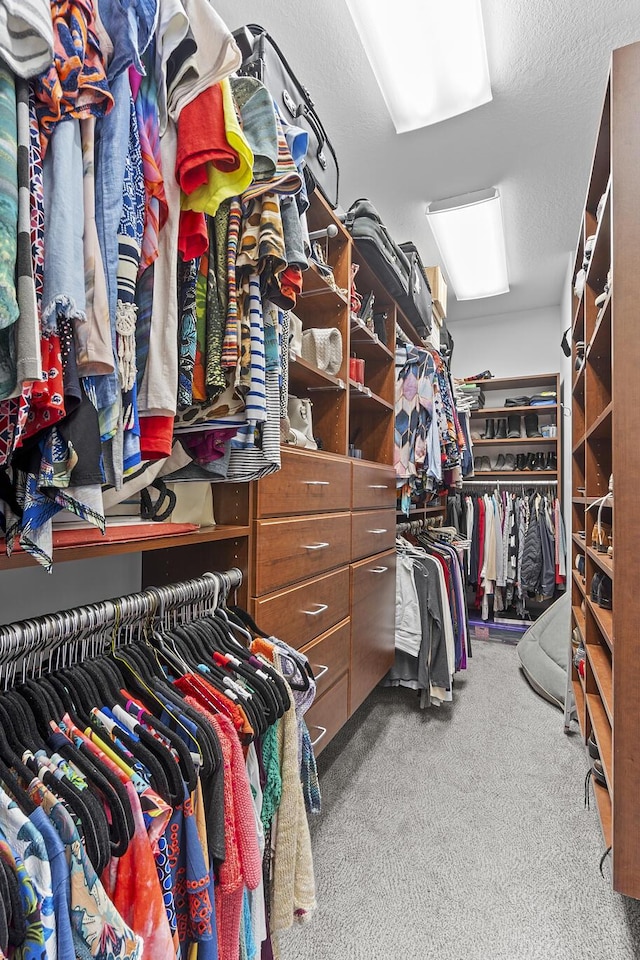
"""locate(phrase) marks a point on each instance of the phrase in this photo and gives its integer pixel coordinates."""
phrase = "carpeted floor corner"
(459, 833)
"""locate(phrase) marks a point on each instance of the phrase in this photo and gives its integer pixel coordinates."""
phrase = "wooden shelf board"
(601, 335)
(518, 442)
(577, 445)
(519, 383)
(602, 425)
(600, 259)
(603, 803)
(509, 411)
(366, 344)
(578, 310)
(532, 474)
(578, 694)
(579, 619)
(601, 667)
(607, 506)
(602, 560)
(105, 548)
(304, 375)
(604, 619)
(577, 579)
(602, 730)
(578, 381)
(579, 541)
(584, 500)
(368, 396)
(315, 285)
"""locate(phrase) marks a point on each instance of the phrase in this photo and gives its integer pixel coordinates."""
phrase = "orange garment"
(202, 139)
(263, 647)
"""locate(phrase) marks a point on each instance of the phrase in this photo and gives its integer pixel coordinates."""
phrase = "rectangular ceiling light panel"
(429, 57)
(470, 237)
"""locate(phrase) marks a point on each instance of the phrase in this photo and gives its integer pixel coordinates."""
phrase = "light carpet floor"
(459, 833)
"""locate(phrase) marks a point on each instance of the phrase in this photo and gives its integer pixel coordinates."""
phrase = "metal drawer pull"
(378, 486)
(379, 530)
(317, 483)
(323, 732)
(321, 609)
(315, 546)
(321, 670)
(378, 569)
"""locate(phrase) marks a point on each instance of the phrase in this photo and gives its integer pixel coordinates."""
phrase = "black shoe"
(552, 462)
(598, 772)
(604, 593)
(521, 461)
(501, 430)
(596, 580)
(531, 461)
(500, 463)
(489, 430)
(513, 424)
(592, 747)
(485, 465)
(540, 462)
(531, 425)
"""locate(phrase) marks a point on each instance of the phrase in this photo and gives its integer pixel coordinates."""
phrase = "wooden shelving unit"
(605, 419)
(496, 391)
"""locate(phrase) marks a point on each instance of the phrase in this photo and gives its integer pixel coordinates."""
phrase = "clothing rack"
(33, 647)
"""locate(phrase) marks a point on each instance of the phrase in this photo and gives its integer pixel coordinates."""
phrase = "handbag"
(179, 502)
(418, 303)
(376, 245)
(301, 425)
(263, 59)
(323, 348)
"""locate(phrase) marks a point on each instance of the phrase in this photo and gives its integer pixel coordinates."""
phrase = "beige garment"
(159, 388)
(94, 350)
(293, 883)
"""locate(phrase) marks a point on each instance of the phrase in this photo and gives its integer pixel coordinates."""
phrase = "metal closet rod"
(45, 634)
(511, 483)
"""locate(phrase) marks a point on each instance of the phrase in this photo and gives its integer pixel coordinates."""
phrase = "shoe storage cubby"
(605, 608)
(491, 451)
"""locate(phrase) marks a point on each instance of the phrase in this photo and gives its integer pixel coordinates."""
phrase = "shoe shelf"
(525, 382)
(605, 810)
(602, 560)
(367, 345)
(604, 620)
(532, 474)
(579, 696)
(361, 393)
(600, 665)
(518, 442)
(579, 618)
(602, 730)
(577, 388)
(578, 445)
(579, 541)
(487, 412)
(577, 579)
(600, 342)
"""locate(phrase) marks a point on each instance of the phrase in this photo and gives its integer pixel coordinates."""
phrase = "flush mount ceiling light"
(429, 58)
(470, 237)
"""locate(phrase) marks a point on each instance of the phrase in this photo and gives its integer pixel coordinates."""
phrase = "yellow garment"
(222, 185)
(106, 749)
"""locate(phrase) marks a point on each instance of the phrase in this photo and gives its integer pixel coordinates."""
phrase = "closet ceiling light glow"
(470, 236)
(430, 59)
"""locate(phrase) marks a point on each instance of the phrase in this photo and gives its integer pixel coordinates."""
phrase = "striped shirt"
(26, 36)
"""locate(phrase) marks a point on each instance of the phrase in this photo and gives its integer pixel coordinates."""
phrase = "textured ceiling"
(548, 61)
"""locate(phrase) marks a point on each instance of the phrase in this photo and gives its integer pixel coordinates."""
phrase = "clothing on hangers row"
(518, 544)
(153, 796)
(432, 636)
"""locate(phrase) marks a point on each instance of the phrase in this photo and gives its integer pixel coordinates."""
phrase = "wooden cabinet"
(298, 614)
(293, 549)
(605, 424)
(329, 656)
(372, 531)
(372, 486)
(373, 597)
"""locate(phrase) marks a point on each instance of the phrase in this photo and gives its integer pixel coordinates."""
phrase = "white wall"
(31, 592)
(509, 344)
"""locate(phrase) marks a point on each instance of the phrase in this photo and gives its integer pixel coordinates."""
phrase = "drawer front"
(307, 483)
(298, 614)
(329, 656)
(372, 531)
(373, 592)
(328, 714)
(372, 487)
(291, 550)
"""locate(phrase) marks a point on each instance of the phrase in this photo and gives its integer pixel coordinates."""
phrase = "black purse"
(263, 59)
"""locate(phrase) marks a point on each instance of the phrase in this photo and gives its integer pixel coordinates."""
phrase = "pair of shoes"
(580, 564)
(601, 298)
(482, 465)
(495, 430)
(597, 771)
(601, 590)
(537, 461)
(503, 462)
(514, 428)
